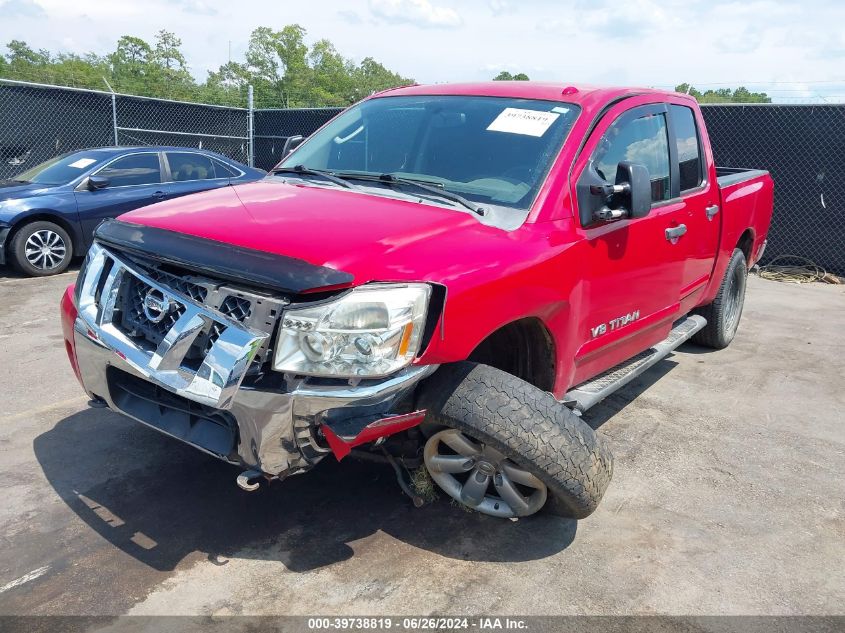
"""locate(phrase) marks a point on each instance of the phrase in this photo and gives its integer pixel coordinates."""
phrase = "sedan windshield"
(489, 150)
(62, 169)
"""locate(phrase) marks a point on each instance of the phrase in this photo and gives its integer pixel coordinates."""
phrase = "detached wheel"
(41, 248)
(508, 449)
(724, 313)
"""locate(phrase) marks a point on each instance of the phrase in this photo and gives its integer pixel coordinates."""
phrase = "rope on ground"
(798, 270)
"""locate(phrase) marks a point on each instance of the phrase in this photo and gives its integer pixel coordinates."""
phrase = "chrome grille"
(134, 322)
(200, 350)
(180, 285)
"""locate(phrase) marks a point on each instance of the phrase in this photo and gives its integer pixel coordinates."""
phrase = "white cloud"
(199, 7)
(762, 44)
(499, 7)
(416, 12)
(351, 17)
(21, 9)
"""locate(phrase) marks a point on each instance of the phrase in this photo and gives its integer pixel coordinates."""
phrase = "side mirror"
(600, 201)
(98, 182)
(637, 182)
(291, 144)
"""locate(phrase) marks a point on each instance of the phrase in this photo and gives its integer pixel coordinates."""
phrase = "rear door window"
(186, 166)
(689, 149)
(223, 170)
(135, 169)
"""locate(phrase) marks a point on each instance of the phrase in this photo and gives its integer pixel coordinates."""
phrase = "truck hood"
(370, 237)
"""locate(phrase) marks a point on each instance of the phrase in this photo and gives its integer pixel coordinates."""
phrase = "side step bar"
(597, 389)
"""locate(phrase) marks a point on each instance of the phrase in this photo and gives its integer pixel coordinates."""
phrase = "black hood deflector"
(225, 261)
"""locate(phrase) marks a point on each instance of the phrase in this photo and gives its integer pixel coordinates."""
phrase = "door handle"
(158, 195)
(675, 232)
(711, 211)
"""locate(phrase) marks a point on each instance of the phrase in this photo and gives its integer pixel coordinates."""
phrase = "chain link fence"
(273, 126)
(802, 146)
(39, 122)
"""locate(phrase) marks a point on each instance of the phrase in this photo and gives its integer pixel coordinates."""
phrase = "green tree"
(131, 66)
(724, 95)
(506, 76)
(284, 70)
(370, 76)
(333, 81)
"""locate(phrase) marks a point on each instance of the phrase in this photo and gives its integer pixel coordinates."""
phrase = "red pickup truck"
(441, 276)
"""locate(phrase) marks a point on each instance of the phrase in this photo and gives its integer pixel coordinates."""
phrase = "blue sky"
(793, 50)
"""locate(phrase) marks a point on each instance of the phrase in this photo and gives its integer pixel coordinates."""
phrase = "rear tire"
(41, 248)
(527, 426)
(724, 313)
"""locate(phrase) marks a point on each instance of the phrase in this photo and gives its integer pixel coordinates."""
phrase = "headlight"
(370, 332)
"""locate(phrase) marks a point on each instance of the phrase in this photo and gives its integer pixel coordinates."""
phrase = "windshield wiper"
(435, 189)
(302, 170)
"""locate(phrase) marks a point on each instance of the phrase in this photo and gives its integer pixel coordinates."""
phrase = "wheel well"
(745, 244)
(75, 239)
(524, 349)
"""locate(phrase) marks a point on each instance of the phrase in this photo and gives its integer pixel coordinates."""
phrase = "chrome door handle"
(676, 232)
(711, 211)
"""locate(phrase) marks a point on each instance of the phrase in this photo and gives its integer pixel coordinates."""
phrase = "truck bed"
(726, 176)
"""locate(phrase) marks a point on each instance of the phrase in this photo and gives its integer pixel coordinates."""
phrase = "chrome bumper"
(266, 422)
(275, 423)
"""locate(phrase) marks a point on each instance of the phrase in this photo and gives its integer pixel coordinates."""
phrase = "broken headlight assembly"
(369, 332)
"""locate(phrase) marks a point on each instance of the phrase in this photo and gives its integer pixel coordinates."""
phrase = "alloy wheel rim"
(45, 249)
(480, 477)
(735, 294)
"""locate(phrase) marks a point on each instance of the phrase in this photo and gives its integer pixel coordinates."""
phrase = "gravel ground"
(728, 498)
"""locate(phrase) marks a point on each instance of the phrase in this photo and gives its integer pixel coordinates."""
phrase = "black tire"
(47, 265)
(724, 313)
(528, 426)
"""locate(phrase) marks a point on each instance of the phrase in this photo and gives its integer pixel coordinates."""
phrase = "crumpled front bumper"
(263, 421)
(275, 420)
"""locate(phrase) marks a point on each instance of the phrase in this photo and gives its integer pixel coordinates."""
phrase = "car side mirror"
(98, 182)
(630, 197)
(291, 144)
(637, 181)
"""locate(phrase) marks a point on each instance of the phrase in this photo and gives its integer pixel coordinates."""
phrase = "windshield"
(62, 169)
(491, 150)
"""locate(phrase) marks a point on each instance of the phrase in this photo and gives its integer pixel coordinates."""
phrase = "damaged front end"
(186, 344)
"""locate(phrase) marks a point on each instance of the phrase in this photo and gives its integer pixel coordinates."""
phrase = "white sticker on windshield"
(560, 110)
(83, 162)
(527, 122)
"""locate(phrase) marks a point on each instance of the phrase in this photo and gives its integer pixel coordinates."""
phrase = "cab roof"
(581, 94)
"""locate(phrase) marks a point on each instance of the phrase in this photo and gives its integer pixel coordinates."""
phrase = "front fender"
(57, 207)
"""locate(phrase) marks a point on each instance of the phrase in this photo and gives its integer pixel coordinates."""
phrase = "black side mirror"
(98, 182)
(637, 182)
(291, 144)
(600, 201)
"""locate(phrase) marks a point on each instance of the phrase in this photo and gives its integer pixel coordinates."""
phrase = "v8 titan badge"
(614, 324)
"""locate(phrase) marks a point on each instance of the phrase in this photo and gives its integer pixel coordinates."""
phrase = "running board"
(597, 389)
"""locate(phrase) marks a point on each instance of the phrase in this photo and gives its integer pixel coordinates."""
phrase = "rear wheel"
(507, 449)
(41, 248)
(724, 313)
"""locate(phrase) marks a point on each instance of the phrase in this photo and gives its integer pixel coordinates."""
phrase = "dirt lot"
(728, 498)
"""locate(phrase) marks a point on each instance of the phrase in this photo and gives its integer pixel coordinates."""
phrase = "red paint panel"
(341, 446)
(68, 316)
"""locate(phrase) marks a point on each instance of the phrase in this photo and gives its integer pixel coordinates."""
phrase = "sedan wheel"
(45, 249)
(41, 248)
(480, 477)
